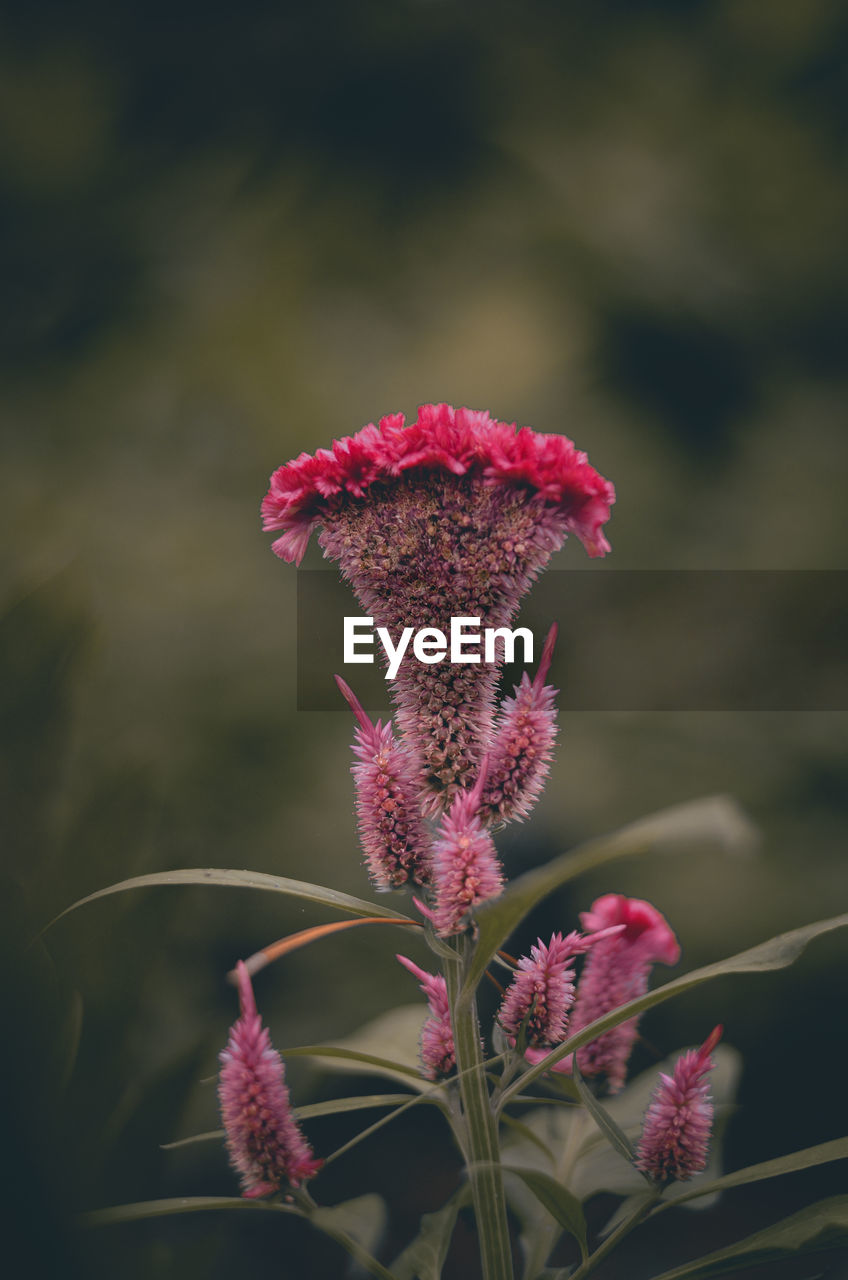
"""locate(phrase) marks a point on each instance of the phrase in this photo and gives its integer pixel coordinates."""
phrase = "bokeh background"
(232, 233)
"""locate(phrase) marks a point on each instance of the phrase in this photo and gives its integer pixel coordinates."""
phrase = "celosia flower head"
(522, 747)
(678, 1123)
(391, 828)
(542, 991)
(451, 516)
(438, 1056)
(617, 971)
(465, 869)
(265, 1145)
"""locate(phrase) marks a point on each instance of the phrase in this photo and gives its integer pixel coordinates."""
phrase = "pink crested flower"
(438, 1056)
(617, 971)
(522, 746)
(465, 868)
(265, 1145)
(391, 827)
(451, 516)
(678, 1123)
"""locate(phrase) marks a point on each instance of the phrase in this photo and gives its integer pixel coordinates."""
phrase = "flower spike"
(523, 745)
(438, 1056)
(265, 1145)
(391, 828)
(465, 867)
(676, 1130)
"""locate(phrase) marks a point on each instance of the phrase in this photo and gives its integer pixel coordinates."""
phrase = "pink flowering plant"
(453, 516)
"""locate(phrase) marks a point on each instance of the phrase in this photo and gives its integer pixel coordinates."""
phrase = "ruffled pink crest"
(644, 926)
(441, 438)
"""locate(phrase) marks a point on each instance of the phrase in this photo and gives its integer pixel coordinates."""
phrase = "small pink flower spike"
(542, 991)
(522, 750)
(678, 1122)
(465, 866)
(617, 971)
(438, 1056)
(391, 828)
(266, 1146)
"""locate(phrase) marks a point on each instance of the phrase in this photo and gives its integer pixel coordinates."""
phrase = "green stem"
(481, 1127)
(623, 1229)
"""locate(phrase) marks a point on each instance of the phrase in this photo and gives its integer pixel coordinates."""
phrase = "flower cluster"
(451, 516)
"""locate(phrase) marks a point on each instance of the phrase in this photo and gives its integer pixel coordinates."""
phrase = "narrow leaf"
(334, 1106)
(294, 941)
(614, 1135)
(837, 1149)
(389, 1042)
(776, 953)
(819, 1226)
(352, 1056)
(559, 1202)
(424, 1257)
(714, 821)
(357, 1226)
(181, 1204)
(230, 879)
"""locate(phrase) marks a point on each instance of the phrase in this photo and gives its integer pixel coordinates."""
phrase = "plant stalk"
(481, 1127)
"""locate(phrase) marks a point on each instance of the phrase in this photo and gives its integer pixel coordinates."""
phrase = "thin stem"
(612, 1241)
(481, 1129)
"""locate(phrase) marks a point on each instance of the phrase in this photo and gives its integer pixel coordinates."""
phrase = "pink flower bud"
(542, 991)
(523, 745)
(617, 971)
(465, 866)
(438, 1056)
(678, 1122)
(391, 828)
(266, 1146)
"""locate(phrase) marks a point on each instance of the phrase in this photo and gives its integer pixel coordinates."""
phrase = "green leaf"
(819, 1226)
(424, 1257)
(776, 953)
(181, 1204)
(808, 1158)
(230, 879)
(558, 1202)
(614, 1135)
(357, 1225)
(333, 1107)
(388, 1044)
(714, 821)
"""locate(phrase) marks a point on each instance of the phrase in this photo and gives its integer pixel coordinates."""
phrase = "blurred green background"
(233, 233)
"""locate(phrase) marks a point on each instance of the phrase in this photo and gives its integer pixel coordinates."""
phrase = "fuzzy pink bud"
(391, 828)
(522, 748)
(678, 1123)
(617, 971)
(266, 1146)
(466, 869)
(438, 1056)
(542, 991)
